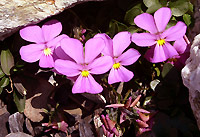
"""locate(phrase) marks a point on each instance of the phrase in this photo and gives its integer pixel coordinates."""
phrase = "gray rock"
(191, 72)
(3, 121)
(29, 126)
(192, 32)
(17, 13)
(191, 77)
(18, 134)
(16, 121)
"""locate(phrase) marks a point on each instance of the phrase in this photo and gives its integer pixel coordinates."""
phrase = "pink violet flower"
(108, 126)
(145, 123)
(158, 38)
(129, 104)
(184, 51)
(45, 40)
(62, 126)
(79, 33)
(115, 48)
(85, 63)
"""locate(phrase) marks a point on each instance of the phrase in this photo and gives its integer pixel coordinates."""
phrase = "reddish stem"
(186, 40)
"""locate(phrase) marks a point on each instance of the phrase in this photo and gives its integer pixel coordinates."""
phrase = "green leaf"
(132, 29)
(112, 28)
(20, 88)
(149, 3)
(163, 3)
(187, 19)
(115, 27)
(166, 68)
(154, 8)
(171, 23)
(179, 7)
(154, 83)
(132, 13)
(1, 73)
(157, 71)
(19, 101)
(121, 26)
(4, 82)
(191, 7)
(1, 89)
(7, 61)
(153, 5)
(147, 100)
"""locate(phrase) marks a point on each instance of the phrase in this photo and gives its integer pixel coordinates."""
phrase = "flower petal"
(146, 22)
(86, 84)
(61, 54)
(128, 57)
(120, 42)
(93, 86)
(111, 124)
(169, 50)
(142, 124)
(46, 61)
(141, 110)
(104, 129)
(32, 33)
(123, 117)
(32, 53)
(101, 65)
(143, 117)
(93, 47)
(134, 103)
(162, 17)
(180, 63)
(103, 119)
(67, 67)
(56, 41)
(158, 54)
(73, 48)
(79, 85)
(119, 75)
(115, 105)
(108, 49)
(175, 32)
(149, 54)
(51, 29)
(180, 45)
(144, 39)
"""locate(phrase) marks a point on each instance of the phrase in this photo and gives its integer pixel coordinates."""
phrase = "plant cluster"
(133, 69)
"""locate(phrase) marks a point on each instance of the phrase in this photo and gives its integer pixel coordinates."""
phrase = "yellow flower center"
(172, 59)
(116, 65)
(85, 73)
(47, 51)
(161, 42)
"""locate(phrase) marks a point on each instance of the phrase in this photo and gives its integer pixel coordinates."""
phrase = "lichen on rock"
(191, 77)
(17, 13)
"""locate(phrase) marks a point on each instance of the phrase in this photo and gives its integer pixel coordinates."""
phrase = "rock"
(3, 121)
(29, 127)
(4, 115)
(85, 128)
(35, 105)
(191, 77)
(17, 13)
(37, 95)
(3, 107)
(192, 32)
(16, 122)
(18, 134)
(190, 73)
